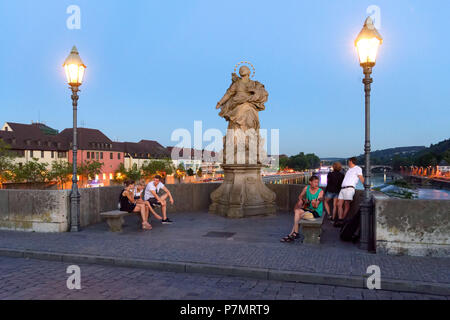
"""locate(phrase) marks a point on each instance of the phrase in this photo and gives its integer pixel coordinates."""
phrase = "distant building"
(34, 141)
(46, 144)
(189, 158)
(195, 159)
(443, 166)
(93, 145)
(137, 153)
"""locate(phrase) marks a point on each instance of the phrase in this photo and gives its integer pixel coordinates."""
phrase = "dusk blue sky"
(155, 66)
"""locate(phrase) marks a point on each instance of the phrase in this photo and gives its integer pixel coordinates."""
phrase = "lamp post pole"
(367, 44)
(75, 194)
(367, 231)
(74, 68)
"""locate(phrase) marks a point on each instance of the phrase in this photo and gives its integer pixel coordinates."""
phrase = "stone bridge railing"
(413, 227)
(49, 210)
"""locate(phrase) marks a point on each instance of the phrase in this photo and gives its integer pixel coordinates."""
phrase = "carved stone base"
(242, 193)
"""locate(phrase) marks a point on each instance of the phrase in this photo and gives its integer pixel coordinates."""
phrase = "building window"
(53, 154)
(101, 155)
(62, 155)
(111, 156)
(88, 155)
(42, 154)
(96, 156)
(31, 153)
(118, 156)
(92, 155)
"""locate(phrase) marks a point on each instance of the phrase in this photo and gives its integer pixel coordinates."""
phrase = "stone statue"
(240, 106)
(243, 193)
(242, 101)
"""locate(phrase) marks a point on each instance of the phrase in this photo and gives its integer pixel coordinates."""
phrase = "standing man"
(151, 195)
(348, 189)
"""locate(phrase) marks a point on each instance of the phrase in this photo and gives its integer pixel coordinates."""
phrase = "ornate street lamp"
(74, 68)
(367, 44)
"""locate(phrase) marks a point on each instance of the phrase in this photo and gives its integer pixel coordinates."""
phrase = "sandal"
(146, 226)
(291, 237)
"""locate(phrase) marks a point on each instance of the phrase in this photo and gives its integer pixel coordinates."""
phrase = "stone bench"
(311, 230)
(114, 219)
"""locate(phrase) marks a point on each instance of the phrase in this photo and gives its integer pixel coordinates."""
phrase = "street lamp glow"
(74, 68)
(367, 43)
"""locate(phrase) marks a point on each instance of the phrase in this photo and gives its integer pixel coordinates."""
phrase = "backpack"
(350, 231)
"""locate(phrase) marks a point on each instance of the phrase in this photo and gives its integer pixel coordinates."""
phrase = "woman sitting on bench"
(140, 187)
(129, 203)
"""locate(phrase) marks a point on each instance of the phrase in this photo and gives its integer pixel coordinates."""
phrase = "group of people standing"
(142, 198)
(340, 190)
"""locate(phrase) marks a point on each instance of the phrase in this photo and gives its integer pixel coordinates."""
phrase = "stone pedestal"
(242, 193)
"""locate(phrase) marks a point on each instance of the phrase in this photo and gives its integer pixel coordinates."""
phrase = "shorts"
(129, 208)
(331, 195)
(310, 215)
(153, 202)
(347, 194)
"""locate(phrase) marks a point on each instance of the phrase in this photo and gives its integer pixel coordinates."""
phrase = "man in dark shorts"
(309, 207)
(151, 195)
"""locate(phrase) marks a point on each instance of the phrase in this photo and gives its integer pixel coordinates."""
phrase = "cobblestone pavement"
(254, 242)
(38, 279)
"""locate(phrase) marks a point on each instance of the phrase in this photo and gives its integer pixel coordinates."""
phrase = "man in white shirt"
(151, 195)
(348, 188)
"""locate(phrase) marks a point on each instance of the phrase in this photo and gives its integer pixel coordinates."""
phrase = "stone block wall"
(34, 210)
(412, 227)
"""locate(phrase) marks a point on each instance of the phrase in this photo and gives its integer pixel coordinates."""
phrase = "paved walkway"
(251, 243)
(35, 279)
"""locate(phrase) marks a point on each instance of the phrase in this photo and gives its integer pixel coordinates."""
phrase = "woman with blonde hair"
(140, 187)
(128, 203)
(334, 182)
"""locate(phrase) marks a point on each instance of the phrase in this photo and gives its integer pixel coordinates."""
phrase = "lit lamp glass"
(367, 44)
(74, 68)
